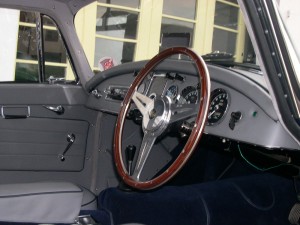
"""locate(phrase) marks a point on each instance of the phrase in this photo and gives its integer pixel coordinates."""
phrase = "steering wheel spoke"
(146, 146)
(144, 105)
(183, 111)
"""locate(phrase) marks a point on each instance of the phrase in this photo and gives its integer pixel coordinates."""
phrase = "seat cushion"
(43, 202)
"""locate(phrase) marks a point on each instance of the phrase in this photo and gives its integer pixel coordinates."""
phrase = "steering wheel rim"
(196, 132)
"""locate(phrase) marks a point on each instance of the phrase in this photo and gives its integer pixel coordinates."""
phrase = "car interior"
(175, 138)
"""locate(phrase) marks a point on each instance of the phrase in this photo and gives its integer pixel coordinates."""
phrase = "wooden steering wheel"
(158, 114)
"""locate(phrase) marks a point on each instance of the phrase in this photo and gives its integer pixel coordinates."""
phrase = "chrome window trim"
(263, 67)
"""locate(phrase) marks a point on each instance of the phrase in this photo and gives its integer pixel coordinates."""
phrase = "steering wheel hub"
(152, 114)
(158, 117)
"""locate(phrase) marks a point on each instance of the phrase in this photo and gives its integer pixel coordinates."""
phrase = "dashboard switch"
(115, 93)
(235, 117)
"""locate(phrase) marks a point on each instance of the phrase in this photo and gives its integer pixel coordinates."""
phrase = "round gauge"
(190, 95)
(172, 91)
(218, 106)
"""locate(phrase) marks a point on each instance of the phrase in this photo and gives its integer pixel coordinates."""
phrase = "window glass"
(27, 17)
(119, 52)
(180, 9)
(26, 72)
(27, 43)
(54, 71)
(116, 23)
(226, 15)
(249, 56)
(290, 17)
(176, 33)
(54, 49)
(48, 22)
(55, 52)
(21, 41)
(127, 3)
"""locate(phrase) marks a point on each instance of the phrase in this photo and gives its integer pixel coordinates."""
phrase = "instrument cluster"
(183, 91)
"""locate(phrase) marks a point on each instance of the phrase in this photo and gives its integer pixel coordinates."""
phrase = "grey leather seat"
(42, 202)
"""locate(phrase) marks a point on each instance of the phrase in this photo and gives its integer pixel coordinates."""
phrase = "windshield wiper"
(218, 56)
(227, 60)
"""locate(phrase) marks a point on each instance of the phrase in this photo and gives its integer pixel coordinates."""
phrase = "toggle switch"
(235, 117)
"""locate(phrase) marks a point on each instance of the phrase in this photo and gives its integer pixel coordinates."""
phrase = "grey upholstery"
(43, 202)
(89, 200)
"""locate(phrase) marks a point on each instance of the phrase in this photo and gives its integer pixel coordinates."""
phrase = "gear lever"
(129, 153)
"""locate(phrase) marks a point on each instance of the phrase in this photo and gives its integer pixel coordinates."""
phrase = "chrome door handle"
(57, 109)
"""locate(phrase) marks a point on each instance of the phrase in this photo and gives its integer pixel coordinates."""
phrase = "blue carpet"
(250, 200)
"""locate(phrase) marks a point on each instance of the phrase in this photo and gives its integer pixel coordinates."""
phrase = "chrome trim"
(57, 109)
(14, 107)
(280, 56)
(227, 106)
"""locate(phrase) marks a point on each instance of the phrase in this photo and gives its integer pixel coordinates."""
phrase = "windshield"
(114, 32)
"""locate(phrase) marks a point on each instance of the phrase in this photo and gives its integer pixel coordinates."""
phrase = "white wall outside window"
(9, 27)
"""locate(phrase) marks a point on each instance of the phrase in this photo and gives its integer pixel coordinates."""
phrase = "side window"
(32, 49)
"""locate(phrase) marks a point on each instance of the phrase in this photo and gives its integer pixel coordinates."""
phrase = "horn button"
(159, 116)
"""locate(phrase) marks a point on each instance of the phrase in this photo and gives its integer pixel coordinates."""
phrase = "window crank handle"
(70, 140)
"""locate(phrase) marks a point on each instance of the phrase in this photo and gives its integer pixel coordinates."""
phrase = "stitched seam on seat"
(43, 193)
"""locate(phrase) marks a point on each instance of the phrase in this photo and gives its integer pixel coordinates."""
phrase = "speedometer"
(218, 106)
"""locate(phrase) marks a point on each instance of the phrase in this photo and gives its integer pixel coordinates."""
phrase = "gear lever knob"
(129, 153)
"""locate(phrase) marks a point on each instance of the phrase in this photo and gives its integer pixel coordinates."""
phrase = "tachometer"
(190, 94)
(218, 106)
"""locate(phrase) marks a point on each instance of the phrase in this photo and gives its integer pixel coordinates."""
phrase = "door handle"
(15, 112)
(57, 109)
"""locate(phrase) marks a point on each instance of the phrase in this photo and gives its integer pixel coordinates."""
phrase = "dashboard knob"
(235, 117)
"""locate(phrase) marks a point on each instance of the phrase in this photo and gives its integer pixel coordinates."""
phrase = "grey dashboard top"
(246, 93)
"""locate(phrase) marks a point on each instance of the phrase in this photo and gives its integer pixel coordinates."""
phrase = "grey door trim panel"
(43, 94)
(34, 144)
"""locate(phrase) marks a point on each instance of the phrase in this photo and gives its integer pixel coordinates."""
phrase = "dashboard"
(240, 106)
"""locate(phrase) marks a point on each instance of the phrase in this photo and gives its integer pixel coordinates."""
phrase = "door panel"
(38, 143)
(33, 138)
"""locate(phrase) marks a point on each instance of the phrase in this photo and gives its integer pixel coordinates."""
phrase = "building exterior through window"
(124, 31)
(114, 32)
